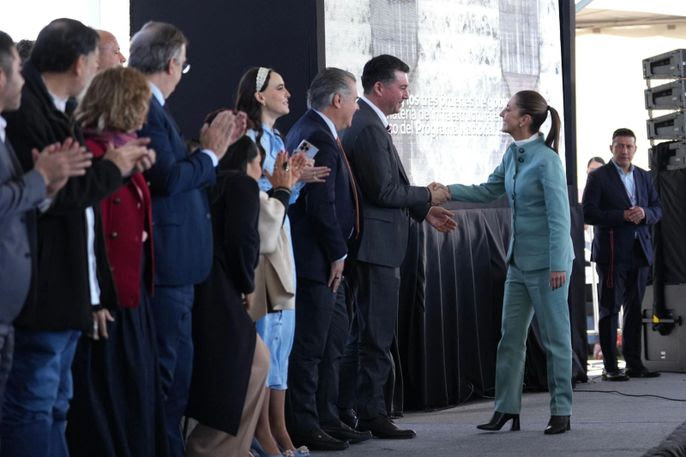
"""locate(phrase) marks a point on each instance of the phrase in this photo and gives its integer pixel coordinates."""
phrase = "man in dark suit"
(621, 203)
(324, 220)
(20, 194)
(74, 276)
(388, 201)
(182, 225)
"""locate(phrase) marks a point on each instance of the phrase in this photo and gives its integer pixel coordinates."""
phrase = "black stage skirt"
(117, 409)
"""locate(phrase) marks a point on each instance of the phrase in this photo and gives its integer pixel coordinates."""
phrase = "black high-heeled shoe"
(498, 420)
(557, 424)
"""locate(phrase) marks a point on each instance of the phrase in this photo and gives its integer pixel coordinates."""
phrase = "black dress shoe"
(642, 372)
(557, 424)
(344, 433)
(383, 427)
(318, 440)
(614, 375)
(348, 417)
(498, 420)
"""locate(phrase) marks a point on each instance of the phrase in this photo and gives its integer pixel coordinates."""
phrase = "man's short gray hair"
(154, 45)
(328, 82)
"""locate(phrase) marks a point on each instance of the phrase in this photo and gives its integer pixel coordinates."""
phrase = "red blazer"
(125, 215)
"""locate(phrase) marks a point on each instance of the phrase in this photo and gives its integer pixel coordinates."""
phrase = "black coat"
(224, 336)
(387, 198)
(59, 298)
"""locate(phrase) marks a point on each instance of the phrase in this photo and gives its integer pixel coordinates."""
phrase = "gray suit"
(19, 196)
(387, 201)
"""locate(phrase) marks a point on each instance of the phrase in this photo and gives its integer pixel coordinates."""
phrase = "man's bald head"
(110, 54)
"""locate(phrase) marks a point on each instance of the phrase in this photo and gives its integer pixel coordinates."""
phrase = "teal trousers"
(526, 293)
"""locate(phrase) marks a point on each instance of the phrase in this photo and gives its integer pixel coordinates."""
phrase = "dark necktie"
(353, 186)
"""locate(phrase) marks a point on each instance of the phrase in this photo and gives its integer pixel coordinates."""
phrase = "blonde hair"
(117, 99)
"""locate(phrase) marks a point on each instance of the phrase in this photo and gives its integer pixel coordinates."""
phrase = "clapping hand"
(286, 171)
(221, 133)
(310, 173)
(130, 157)
(239, 125)
(146, 161)
(57, 163)
(441, 219)
(439, 193)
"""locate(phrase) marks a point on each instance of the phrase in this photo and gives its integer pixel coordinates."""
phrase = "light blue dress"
(276, 328)
(531, 175)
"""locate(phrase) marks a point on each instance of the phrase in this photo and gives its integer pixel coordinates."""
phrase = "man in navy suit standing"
(621, 202)
(182, 225)
(324, 220)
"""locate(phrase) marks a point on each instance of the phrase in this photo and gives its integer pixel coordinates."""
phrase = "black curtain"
(227, 38)
(449, 315)
(451, 304)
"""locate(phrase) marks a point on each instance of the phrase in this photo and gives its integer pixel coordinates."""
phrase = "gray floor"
(603, 424)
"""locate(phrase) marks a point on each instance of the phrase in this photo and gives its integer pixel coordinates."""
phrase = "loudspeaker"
(668, 127)
(669, 65)
(670, 155)
(665, 352)
(667, 96)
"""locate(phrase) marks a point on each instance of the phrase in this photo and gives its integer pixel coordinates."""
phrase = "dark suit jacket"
(323, 217)
(604, 201)
(59, 299)
(387, 198)
(181, 216)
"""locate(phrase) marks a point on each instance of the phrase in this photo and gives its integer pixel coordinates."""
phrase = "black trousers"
(321, 330)
(349, 366)
(377, 306)
(622, 285)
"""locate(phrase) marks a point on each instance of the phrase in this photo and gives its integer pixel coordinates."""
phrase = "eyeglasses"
(185, 67)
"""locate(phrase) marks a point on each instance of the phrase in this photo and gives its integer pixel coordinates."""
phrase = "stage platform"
(604, 424)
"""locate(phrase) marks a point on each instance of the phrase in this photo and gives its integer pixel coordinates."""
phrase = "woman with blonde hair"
(117, 405)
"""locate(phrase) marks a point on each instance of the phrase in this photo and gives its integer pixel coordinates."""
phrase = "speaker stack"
(664, 304)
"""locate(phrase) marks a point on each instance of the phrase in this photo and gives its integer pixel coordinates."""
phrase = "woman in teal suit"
(539, 258)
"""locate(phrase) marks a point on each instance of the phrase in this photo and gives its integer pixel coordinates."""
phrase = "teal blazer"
(536, 187)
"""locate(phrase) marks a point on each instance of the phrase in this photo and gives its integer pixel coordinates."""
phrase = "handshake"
(439, 193)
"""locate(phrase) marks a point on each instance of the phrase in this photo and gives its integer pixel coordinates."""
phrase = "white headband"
(262, 74)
